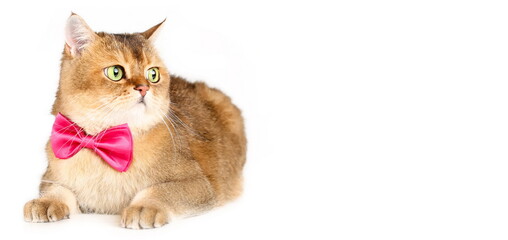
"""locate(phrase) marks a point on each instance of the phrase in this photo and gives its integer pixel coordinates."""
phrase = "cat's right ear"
(77, 35)
(152, 33)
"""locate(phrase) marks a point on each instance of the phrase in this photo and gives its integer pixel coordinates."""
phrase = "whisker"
(92, 115)
(171, 134)
(80, 130)
(174, 127)
(175, 119)
(93, 111)
(106, 115)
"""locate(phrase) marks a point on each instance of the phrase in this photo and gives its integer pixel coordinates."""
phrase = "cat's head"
(111, 79)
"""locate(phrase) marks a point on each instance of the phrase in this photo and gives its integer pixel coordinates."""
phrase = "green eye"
(114, 73)
(153, 75)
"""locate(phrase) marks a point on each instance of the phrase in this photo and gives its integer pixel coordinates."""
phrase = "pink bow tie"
(113, 145)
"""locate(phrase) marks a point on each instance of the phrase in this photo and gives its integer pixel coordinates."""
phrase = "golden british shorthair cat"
(131, 139)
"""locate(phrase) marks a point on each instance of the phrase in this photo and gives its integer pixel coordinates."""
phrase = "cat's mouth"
(142, 101)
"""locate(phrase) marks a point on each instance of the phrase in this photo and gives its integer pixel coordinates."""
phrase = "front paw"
(45, 210)
(144, 217)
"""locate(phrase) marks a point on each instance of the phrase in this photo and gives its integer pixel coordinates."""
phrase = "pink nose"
(142, 89)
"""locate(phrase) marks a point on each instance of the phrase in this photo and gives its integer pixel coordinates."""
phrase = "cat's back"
(206, 106)
(214, 128)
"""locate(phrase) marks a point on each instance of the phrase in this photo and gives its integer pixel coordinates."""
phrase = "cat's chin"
(140, 107)
(139, 117)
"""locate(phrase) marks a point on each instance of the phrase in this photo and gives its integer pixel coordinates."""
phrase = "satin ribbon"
(114, 145)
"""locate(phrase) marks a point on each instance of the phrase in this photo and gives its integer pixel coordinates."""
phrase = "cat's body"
(201, 149)
(188, 153)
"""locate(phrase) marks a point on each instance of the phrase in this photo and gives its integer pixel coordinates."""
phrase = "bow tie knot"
(114, 145)
(88, 141)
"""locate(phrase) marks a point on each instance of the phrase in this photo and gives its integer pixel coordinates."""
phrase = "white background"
(365, 119)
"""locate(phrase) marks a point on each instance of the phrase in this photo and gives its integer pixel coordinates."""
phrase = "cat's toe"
(144, 217)
(45, 210)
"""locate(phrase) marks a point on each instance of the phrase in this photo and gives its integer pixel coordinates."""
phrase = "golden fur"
(189, 142)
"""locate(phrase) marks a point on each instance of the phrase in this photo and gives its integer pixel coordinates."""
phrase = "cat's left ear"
(151, 34)
(78, 35)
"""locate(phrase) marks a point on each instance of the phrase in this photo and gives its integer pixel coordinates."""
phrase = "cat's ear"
(77, 34)
(152, 33)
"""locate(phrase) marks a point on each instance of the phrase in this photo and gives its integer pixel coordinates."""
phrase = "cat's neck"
(93, 126)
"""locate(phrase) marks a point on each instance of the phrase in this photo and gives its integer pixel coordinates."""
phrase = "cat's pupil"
(153, 74)
(115, 71)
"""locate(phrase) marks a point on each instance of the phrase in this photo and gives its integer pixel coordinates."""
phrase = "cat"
(189, 144)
